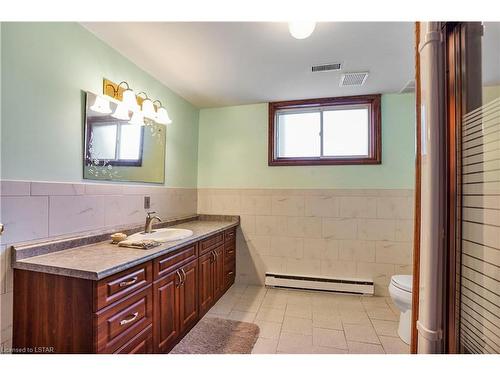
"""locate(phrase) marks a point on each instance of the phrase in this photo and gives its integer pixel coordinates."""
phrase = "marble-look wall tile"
(14, 188)
(395, 208)
(51, 188)
(321, 206)
(74, 214)
(25, 218)
(36, 210)
(123, 209)
(3, 269)
(287, 205)
(340, 229)
(357, 233)
(377, 229)
(102, 189)
(6, 313)
(363, 207)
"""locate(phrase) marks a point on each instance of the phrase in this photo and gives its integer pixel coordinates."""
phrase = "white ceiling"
(228, 63)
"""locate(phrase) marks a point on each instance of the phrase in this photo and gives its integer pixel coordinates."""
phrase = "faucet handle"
(151, 213)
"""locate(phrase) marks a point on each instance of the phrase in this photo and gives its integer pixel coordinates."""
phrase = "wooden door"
(188, 296)
(206, 289)
(166, 311)
(218, 272)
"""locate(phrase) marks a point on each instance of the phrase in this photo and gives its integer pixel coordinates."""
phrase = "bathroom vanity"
(100, 298)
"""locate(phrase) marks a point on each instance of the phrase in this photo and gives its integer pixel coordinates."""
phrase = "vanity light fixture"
(137, 119)
(101, 105)
(162, 116)
(301, 30)
(121, 112)
(141, 105)
(148, 108)
(128, 97)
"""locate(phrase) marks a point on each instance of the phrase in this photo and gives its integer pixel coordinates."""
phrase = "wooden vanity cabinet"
(147, 308)
(216, 270)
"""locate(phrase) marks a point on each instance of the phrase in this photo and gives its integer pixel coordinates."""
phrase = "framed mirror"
(115, 149)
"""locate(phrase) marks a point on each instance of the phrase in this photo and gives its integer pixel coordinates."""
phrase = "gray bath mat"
(218, 336)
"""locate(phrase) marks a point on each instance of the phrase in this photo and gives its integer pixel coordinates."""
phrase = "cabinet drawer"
(140, 344)
(118, 286)
(229, 250)
(229, 273)
(230, 235)
(209, 243)
(169, 262)
(121, 322)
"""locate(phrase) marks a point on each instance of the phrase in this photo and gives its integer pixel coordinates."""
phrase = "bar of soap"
(117, 237)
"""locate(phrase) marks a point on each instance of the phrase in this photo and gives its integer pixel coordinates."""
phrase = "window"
(116, 143)
(327, 131)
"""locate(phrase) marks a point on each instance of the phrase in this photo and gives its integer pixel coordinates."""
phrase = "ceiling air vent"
(326, 67)
(353, 79)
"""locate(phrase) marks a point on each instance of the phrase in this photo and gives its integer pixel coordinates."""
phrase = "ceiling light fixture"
(301, 30)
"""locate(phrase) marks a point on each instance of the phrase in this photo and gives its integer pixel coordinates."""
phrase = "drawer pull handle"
(230, 251)
(180, 279)
(230, 273)
(129, 282)
(126, 321)
(184, 276)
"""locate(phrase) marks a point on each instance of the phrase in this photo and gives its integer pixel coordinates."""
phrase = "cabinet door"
(166, 311)
(218, 270)
(206, 289)
(188, 296)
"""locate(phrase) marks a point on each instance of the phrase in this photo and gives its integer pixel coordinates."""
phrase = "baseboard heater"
(337, 285)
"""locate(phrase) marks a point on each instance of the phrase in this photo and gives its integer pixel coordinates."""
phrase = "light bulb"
(101, 105)
(162, 116)
(301, 30)
(148, 109)
(129, 99)
(121, 112)
(137, 119)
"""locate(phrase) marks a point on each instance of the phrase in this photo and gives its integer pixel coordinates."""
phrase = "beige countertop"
(99, 260)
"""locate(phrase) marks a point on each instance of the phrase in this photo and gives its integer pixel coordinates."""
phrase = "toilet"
(400, 292)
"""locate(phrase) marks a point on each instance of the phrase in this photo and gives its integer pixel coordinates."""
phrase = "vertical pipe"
(433, 174)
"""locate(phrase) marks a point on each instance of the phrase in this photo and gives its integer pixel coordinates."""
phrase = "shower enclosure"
(471, 309)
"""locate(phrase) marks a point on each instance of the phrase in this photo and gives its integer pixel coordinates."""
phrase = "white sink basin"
(163, 235)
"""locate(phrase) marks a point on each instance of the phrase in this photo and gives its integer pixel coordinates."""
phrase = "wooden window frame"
(375, 131)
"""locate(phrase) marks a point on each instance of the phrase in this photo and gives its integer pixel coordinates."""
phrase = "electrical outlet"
(147, 203)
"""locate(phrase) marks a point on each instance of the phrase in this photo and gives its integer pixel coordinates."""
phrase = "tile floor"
(313, 322)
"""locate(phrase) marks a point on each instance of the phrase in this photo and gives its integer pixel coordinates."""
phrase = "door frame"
(459, 80)
(453, 44)
(417, 202)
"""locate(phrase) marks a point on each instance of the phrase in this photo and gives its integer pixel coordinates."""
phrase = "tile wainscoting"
(340, 232)
(344, 233)
(38, 210)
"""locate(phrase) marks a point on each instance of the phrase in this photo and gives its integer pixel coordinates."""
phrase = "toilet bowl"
(400, 292)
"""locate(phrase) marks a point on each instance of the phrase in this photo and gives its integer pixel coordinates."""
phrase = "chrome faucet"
(149, 222)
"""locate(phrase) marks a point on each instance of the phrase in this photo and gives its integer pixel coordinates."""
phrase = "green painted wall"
(45, 67)
(232, 152)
